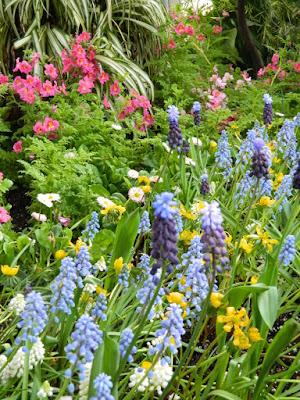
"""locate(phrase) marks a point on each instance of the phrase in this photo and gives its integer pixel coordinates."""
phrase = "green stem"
(25, 374)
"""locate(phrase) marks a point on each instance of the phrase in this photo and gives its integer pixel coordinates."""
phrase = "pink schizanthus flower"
(275, 58)
(3, 79)
(85, 86)
(23, 66)
(103, 77)
(39, 217)
(64, 221)
(189, 30)
(50, 124)
(217, 29)
(39, 128)
(115, 88)
(171, 44)
(48, 89)
(1, 176)
(180, 28)
(225, 13)
(200, 37)
(4, 217)
(84, 37)
(297, 67)
(51, 71)
(17, 147)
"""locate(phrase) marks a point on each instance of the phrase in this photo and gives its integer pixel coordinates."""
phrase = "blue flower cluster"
(246, 149)
(268, 111)
(63, 287)
(223, 155)
(145, 223)
(34, 318)
(125, 341)
(83, 264)
(244, 188)
(288, 251)
(196, 109)
(284, 190)
(173, 113)
(146, 293)
(178, 221)
(100, 308)
(92, 228)
(172, 327)
(144, 264)
(123, 276)
(286, 140)
(194, 251)
(175, 135)
(197, 281)
(85, 340)
(265, 187)
(103, 386)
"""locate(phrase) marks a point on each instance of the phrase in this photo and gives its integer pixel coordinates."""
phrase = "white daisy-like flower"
(156, 178)
(17, 304)
(45, 391)
(189, 161)
(196, 141)
(133, 174)
(104, 202)
(44, 199)
(116, 127)
(136, 194)
(53, 196)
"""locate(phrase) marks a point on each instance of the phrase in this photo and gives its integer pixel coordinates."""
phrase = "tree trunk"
(257, 61)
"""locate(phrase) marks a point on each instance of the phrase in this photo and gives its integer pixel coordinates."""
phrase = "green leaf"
(224, 395)
(22, 241)
(106, 359)
(268, 305)
(237, 295)
(102, 243)
(100, 190)
(43, 238)
(283, 338)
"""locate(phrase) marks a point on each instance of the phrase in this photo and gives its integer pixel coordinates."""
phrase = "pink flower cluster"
(217, 29)
(219, 82)
(273, 66)
(180, 29)
(17, 147)
(4, 217)
(49, 125)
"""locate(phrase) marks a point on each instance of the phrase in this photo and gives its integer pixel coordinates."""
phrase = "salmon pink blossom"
(189, 30)
(17, 147)
(39, 128)
(103, 77)
(4, 217)
(200, 37)
(23, 66)
(51, 124)
(297, 67)
(39, 217)
(48, 89)
(171, 44)
(115, 88)
(3, 79)
(217, 29)
(84, 36)
(50, 70)
(85, 86)
(225, 13)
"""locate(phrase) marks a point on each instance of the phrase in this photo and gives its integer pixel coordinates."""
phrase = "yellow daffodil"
(271, 171)
(228, 237)
(240, 339)
(212, 144)
(60, 254)
(278, 180)
(78, 244)
(118, 264)
(233, 319)
(113, 207)
(100, 290)
(254, 335)
(197, 207)
(185, 213)
(266, 201)
(187, 236)
(276, 160)
(144, 179)
(216, 299)
(264, 237)
(146, 189)
(244, 245)
(176, 297)
(9, 271)
(254, 280)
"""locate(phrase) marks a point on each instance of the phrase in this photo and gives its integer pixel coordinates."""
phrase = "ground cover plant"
(152, 251)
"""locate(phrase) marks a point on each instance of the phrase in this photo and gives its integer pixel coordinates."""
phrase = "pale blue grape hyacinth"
(284, 190)
(125, 341)
(92, 228)
(145, 223)
(288, 251)
(83, 264)
(103, 386)
(223, 154)
(100, 308)
(197, 281)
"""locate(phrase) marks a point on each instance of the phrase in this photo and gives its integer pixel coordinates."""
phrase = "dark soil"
(20, 203)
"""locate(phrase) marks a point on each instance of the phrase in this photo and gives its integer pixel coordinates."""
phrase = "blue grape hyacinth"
(92, 228)
(100, 308)
(287, 141)
(63, 287)
(83, 264)
(125, 341)
(197, 281)
(103, 386)
(284, 190)
(288, 251)
(145, 223)
(175, 135)
(223, 154)
(34, 319)
(196, 109)
(268, 111)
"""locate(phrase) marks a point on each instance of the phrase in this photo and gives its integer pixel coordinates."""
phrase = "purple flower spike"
(258, 144)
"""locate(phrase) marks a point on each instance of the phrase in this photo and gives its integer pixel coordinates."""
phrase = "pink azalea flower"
(4, 217)
(51, 71)
(39, 128)
(103, 77)
(64, 221)
(200, 37)
(180, 28)
(217, 29)
(85, 86)
(105, 102)
(297, 67)
(115, 88)
(3, 79)
(51, 124)
(171, 44)
(39, 217)
(17, 147)
(189, 30)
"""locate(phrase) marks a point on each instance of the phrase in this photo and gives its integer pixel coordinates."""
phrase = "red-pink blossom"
(4, 217)
(217, 29)
(180, 28)
(64, 221)
(63, 89)
(31, 155)
(48, 89)
(171, 44)
(39, 128)
(51, 71)
(1, 176)
(148, 118)
(297, 67)
(103, 77)
(189, 30)
(17, 147)
(50, 124)
(85, 86)
(84, 36)
(115, 88)
(23, 66)
(105, 102)
(275, 58)
(225, 13)
(200, 37)
(3, 79)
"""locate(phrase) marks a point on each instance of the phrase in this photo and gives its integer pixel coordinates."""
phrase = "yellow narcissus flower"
(278, 180)
(254, 280)
(144, 179)
(113, 207)
(216, 299)
(276, 160)
(240, 339)
(187, 236)
(264, 237)
(60, 254)
(266, 201)
(176, 297)
(185, 213)
(254, 335)
(247, 247)
(100, 290)
(234, 126)
(228, 238)
(9, 271)
(212, 144)
(146, 189)
(118, 264)
(79, 243)
(233, 319)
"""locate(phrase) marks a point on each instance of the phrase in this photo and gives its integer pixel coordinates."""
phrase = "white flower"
(137, 375)
(162, 373)
(155, 178)
(84, 384)
(167, 148)
(44, 199)
(104, 202)
(189, 161)
(53, 196)
(17, 304)
(177, 189)
(116, 127)
(173, 397)
(196, 208)
(90, 287)
(196, 141)
(70, 155)
(101, 265)
(212, 187)
(133, 174)
(280, 114)
(3, 360)
(45, 391)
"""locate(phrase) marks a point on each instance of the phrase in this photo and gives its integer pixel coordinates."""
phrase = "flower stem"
(25, 375)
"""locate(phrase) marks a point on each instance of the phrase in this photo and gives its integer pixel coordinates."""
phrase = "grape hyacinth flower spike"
(296, 178)
(260, 162)
(213, 238)
(92, 228)
(175, 135)
(185, 147)
(288, 251)
(103, 386)
(204, 189)
(164, 239)
(268, 111)
(196, 109)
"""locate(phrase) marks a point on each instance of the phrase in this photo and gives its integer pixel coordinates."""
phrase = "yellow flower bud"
(146, 189)
(118, 264)
(60, 254)
(254, 335)
(9, 271)
(215, 299)
(254, 280)
(212, 144)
